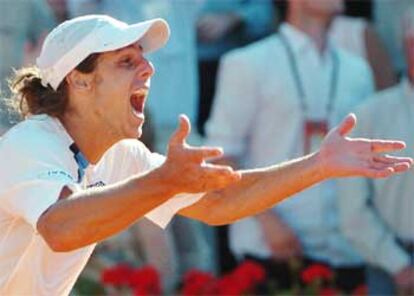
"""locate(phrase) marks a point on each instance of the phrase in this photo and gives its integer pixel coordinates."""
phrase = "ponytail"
(34, 98)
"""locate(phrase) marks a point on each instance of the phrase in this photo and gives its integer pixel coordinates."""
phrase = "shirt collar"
(299, 40)
(80, 159)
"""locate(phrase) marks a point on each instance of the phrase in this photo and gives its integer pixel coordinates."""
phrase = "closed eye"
(128, 62)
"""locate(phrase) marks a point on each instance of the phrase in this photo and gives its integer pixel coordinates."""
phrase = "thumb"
(182, 132)
(347, 125)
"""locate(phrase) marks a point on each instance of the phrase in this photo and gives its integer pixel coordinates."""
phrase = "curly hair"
(31, 97)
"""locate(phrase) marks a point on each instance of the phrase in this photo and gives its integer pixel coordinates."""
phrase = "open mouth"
(137, 101)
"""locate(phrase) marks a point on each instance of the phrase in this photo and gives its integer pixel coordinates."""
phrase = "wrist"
(319, 166)
(164, 181)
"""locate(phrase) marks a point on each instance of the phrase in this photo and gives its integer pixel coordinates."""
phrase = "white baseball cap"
(74, 40)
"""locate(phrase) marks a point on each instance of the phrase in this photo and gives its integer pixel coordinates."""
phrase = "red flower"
(251, 271)
(361, 290)
(117, 275)
(230, 285)
(316, 272)
(329, 292)
(242, 280)
(145, 281)
(198, 283)
(141, 291)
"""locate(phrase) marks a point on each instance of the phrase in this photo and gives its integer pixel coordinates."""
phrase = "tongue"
(135, 103)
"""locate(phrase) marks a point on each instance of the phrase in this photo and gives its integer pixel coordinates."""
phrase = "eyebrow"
(132, 46)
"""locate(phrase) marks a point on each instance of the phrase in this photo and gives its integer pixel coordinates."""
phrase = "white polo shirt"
(36, 162)
(382, 210)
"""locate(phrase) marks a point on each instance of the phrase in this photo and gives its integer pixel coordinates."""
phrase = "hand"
(404, 280)
(185, 170)
(279, 237)
(341, 156)
(212, 27)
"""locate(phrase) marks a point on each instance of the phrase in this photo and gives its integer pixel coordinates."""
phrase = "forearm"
(258, 190)
(93, 215)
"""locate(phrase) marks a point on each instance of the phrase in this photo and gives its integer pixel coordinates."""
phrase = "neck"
(315, 27)
(91, 139)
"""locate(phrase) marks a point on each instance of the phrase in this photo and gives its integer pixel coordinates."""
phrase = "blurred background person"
(222, 26)
(380, 218)
(300, 83)
(21, 22)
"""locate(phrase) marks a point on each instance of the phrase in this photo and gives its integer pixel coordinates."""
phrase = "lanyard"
(298, 81)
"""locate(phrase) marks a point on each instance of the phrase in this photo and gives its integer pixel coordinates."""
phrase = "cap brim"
(151, 35)
(155, 36)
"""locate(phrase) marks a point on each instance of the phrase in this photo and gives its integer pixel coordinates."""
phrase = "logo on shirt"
(56, 174)
(97, 184)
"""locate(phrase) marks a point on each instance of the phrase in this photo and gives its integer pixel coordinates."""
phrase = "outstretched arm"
(259, 189)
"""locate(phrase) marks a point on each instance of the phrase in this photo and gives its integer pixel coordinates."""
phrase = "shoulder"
(354, 67)
(355, 24)
(351, 60)
(381, 102)
(130, 155)
(37, 137)
(35, 146)
(128, 147)
(254, 52)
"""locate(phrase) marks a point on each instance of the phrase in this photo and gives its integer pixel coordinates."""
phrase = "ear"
(80, 81)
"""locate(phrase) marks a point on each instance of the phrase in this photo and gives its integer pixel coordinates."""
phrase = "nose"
(146, 70)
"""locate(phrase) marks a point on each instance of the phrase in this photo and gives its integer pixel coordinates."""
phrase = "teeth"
(136, 113)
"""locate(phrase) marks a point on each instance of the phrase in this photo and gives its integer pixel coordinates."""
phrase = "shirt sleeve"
(163, 214)
(361, 222)
(234, 104)
(35, 166)
(29, 198)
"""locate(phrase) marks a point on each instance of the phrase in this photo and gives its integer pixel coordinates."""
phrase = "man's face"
(325, 8)
(121, 85)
